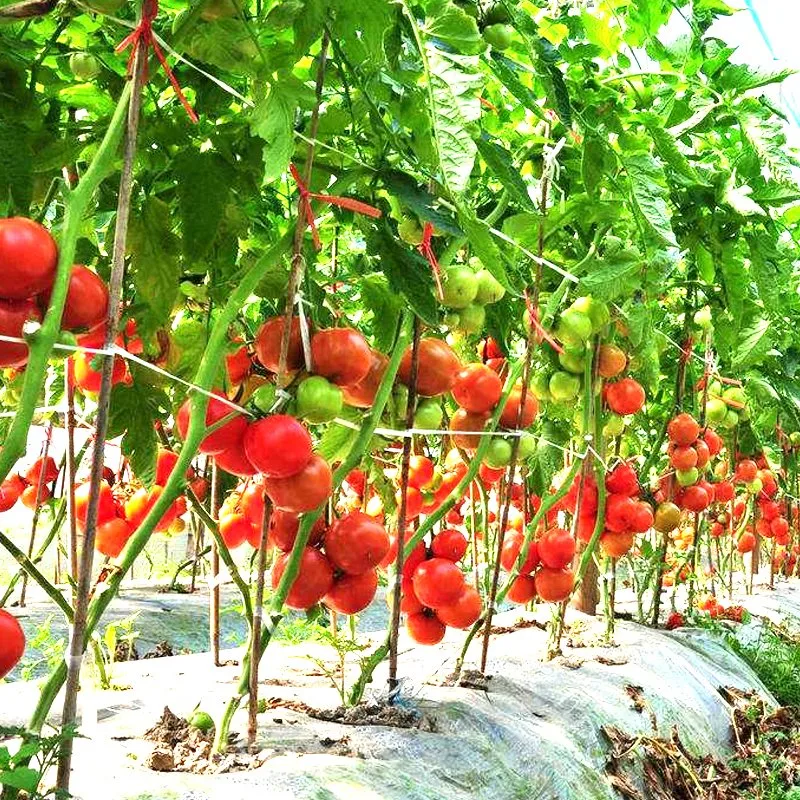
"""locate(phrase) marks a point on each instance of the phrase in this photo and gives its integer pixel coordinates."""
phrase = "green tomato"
(596, 310)
(702, 318)
(573, 360)
(452, 320)
(472, 318)
(687, 477)
(498, 454)
(716, 410)
(410, 231)
(614, 426)
(318, 400)
(574, 327)
(794, 438)
(497, 13)
(735, 395)
(499, 35)
(429, 415)
(731, 420)
(564, 386)
(490, 290)
(715, 389)
(540, 386)
(202, 721)
(84, 66)
(527, 446)
(460, 287)
(755, 486)
(263, 398)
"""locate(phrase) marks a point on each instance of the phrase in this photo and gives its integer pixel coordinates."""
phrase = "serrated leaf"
(775, 194)
(738, 198)
(336, 441)
(362, 28)
(16, 166)
(203, 186)
(188, 343)
(647, 186)
(766, 136)
(407, 272)
(419, 201)
(734, 280)
(501, 164)
(640, 323)
(227, 44)
(601, 32)
(741, 77)
(454, 27)
(754, 342)
(308, 25)
(273, 121)
(385, 307)
(592, 166)
(483, 244)
(764, 267)
(612, 279)
(668, 150)
(23, 778)
(155, 267)
(505, 71)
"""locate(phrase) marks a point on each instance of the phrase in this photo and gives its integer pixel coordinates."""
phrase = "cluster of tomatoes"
(28, 264)
(31, 488)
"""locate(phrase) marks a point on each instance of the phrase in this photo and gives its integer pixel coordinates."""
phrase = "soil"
(377, 714)
(642, 767)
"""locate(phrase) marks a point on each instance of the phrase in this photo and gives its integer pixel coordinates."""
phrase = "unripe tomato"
(13, 316)
(268, 345)
(304, 491)
(438, 582)
(477, 389)
(428, 415)
(342, 355)
(362, 394)
(12, 643)
(464, 613)
(611, 361)
(318, 400)
(314, 578)
(499, 36)
(437, 368)
(351, 594)
(460, 287)
(28, 259)
(112, 536)
(425, 628)
(84, 66)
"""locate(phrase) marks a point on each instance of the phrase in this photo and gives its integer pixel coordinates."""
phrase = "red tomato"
(683, 429)
(234, 529)
(625, 397)
(554, 585)
(165, 463)
(278, 446)
(362, 394)
(464, 613)
(642, 518)
(713, 440)
(86, 305)
(112, 536)
(199, 487)
(409, 602)
(622, 480)
(28, 258)
(615, 545)
(10, 491)
(237, 365)
(304, 491)
(414, 502)
(586, 526)
(683, 457)
(356, 543)
(746, 543)
(283, 527)
(438, 582)
(703, 453)
(522, 589)
(695, 498)
(770, 510)
(341, 355)
(508, 419)
(724, 492)
(222, 438)
(437, 368)
(268, 345)
(512, 547)
(139, 504)
(357, 480)
(425, 628)
(33, 496)
(12, 640)
(314, 579)
(45, 469)
(87, 378)
(352, 593)
(779, 527)
(620, 510)
(251, 502)
(490, 476)
(106, 509)
(556, 548)
(420, 471)
(13, 316)
(450, 544)
(465, 421)
(477, 388)
(234, 461)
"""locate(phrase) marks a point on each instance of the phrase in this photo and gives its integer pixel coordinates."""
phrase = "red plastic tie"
(142, 36)
(686, 350)
(307, 196)
(533, 314)
(426, 248)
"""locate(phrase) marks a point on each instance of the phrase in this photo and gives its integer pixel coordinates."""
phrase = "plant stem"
(255, 637)
(214, 594)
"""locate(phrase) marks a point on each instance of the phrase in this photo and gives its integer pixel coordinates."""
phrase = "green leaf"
(735, 280)
(553, 79)
(188, 343)
(738, 198)
(203, 184)
(134, 411)
(407, 272)
(308, 24)
(668, 150)
(505, 71)
(612, 278)
(87, 96)
(361, 29)
(601, 32)
(227, 44)
(740, 77)
(337, 439)
(453, 26)
(385, 307)
(647, 185)
(273, 121)
(754, 342)
(592, 163)
(23, 778)
(483, 244)
(501, 163)
(419, 201)
(766, 136)
(771, 281)
(16, 165)
(155, 267)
